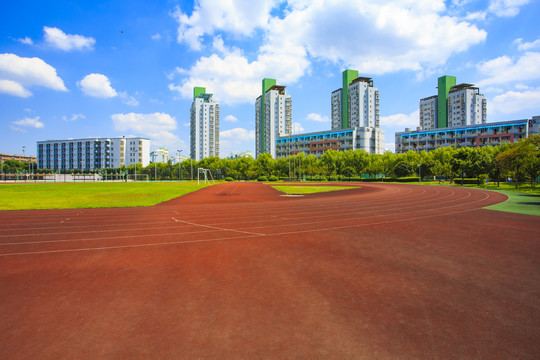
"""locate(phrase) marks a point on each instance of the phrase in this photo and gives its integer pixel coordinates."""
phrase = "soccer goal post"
(205, 173)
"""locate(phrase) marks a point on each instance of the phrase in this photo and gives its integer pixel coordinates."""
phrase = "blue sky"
(75, 69)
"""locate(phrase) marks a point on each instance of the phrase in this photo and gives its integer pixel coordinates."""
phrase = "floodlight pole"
(155, 166)
(179, 165)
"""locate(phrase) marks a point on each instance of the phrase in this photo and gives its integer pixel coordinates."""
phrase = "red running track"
(236, 271)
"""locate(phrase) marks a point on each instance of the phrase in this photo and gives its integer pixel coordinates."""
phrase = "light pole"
(191, 162)
(155, 166)
(420, 173)
(135, 154)
(179, 165)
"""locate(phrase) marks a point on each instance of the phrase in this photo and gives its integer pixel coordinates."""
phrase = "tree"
(461, 161)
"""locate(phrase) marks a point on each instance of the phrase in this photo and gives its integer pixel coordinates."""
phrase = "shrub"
(228, 178)
(262, 178)
(273, 178)
(407, 179)
(332, 178)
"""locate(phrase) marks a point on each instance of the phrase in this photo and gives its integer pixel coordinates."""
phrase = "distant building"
(488, 134)
(370, 139)
(204, 125)
(92, 153)
(241, 155)
(454, 105)
(356, 104)
(160, 155)
(273, 117)
(4, 157)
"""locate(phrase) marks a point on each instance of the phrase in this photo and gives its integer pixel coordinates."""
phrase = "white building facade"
(160, 155)
(357, 109)
(273, 117)
(466, 106)
(363, 104)
(428, 113)
(92, 153)
(204, 125)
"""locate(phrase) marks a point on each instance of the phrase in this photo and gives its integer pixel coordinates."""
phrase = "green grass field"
(90, 195)
(309, 189)
(519, 202)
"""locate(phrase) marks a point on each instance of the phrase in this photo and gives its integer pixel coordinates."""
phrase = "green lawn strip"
(523, 200)
(90, 195)
(518, 202)
(310, 189)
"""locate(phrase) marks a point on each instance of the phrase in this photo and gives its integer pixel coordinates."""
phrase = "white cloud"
(18, 73)
(401, 120)
(156, 36)
(74, 117)
(503, 70)
(128, 99)
(515, 101)
(297, 128)
(156, 126)
(231, 118)
(29, 122)
(13, 88)
(528, 45)
(26, 40)
(317, 118)
(395, 35)
(97, 85)
(235, 141)
(506, 8)
(239, 17)
(58, 39)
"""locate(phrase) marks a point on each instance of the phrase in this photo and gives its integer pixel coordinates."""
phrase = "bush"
(273, 178)
(262, 178)
(407, 179)
(228, 178)
(332, 178)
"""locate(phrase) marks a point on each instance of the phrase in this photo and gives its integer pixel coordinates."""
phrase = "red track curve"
(238, 271)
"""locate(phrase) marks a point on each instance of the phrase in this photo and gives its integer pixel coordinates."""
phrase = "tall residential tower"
(454, 105)
(204, 125)
(273, 117)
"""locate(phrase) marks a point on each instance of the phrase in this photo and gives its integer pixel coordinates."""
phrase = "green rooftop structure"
(266, 85)
(348, 77)
(445, 83)
(198, 91)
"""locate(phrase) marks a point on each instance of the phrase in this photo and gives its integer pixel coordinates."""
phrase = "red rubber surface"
(236, 271)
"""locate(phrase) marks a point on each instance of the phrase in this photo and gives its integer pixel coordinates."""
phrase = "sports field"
(236, 271)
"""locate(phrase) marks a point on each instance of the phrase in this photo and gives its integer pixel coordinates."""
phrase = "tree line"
(519, 161)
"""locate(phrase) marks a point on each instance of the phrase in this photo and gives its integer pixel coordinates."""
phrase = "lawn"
(90, 195)
(309, 189)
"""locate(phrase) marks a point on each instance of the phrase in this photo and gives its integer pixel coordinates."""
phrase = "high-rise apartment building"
(466, 106)
(356, 104)
(92, 153)
(273, 117)
(204, 125)
(454, 105)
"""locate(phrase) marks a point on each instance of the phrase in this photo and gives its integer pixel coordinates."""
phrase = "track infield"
(236, 271)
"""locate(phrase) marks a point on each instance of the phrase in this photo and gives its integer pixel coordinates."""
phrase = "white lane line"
(217, 228)
(105, 238)
(129, 246)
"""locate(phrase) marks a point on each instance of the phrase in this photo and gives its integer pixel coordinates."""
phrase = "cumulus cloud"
(515, 101)
(240, 17)
(235, 141)
(395, 35)
(156, 36)
(504, 70)
(74, 117)
(317, 118)
(56, 38)
(411, 120)
(20, 125)
(128, 99)
(506, 8)
(97, 85)
(156, 126)
(19, 73)
(527, 45)
(26, 40)
(231, 118)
